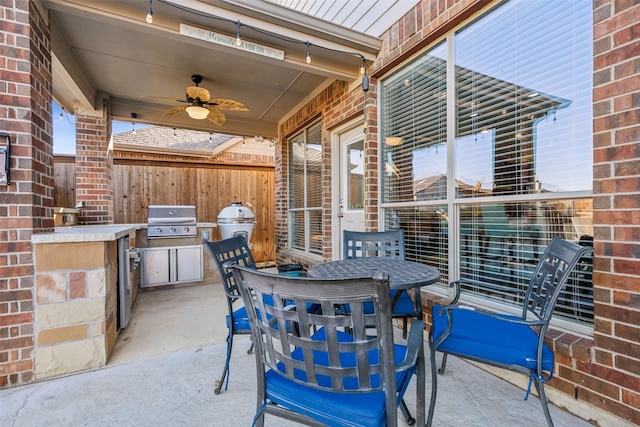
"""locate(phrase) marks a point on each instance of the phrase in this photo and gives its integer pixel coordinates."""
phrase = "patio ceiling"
(105, 49)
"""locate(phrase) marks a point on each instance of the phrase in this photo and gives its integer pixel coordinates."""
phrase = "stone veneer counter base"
(76, 283)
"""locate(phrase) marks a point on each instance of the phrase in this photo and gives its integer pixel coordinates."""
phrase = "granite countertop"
(95, 233)
(87, 233)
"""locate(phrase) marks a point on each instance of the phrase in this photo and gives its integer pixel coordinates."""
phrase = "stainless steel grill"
(171, 221)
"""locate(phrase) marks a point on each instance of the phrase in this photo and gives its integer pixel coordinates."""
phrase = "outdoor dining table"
(403, 275)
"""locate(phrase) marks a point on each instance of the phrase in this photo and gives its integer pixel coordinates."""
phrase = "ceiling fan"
(201, 105)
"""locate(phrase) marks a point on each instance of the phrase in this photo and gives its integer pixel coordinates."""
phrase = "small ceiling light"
(133, 125)
(362, 64)
(197, 112)
(149, 18)
(61, 116)
(243, 143)
(175, 135)
(210, 137)
(308, 54)
(238, 39)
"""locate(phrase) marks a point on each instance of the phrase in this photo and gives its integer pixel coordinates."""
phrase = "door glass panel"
(355, 175)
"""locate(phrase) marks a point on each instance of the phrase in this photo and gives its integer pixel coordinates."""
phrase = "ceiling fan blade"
(166, 98)
(216, 116)
(196, 92)
(175, 110)
(228, 104)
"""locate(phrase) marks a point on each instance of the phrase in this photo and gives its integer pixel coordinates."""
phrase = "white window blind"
(305, 191)
(521, 115)
(414, 131)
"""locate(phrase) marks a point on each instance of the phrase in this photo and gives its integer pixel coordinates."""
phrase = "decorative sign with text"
(225, 40)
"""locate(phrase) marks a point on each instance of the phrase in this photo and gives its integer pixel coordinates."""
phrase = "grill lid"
(171, 214)
(236, 214)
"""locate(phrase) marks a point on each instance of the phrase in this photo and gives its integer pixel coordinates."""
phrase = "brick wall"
(612, 382)
(26, 205)
(94, 164)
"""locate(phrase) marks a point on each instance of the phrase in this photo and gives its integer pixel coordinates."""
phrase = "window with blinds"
(305, 192)
(515, 168)
(414, 131)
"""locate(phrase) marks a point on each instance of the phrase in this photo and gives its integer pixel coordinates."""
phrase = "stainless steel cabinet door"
(189, 264)
(155, 266)
(164, 266)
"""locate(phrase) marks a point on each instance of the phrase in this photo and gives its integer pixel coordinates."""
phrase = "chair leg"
(406, 414)
(226, 366)
(434, 386)
(444, 364)
(543, 400)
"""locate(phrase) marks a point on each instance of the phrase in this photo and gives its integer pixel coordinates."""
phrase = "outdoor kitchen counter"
(87, 233)
(96, 233)
(78, 273)
(84, 291)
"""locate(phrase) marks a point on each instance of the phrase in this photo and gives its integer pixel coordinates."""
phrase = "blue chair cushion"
(240, 321)
(476, 335)
(404, 305)
(333, 408)
(241, 324)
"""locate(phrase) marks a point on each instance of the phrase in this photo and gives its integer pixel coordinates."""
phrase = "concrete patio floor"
(165, 363)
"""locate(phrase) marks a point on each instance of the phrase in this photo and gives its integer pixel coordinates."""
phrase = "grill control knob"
(186, 229)
(173, 229)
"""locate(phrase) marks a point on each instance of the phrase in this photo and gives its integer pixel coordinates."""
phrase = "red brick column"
(94, 167)
(614, 383)
(26, 205)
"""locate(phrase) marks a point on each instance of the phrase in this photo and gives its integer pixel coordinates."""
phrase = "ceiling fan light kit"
(197, 112)
(202, 105)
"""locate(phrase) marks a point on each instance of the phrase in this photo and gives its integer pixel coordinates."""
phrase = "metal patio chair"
(511, 342)
(236, 250)
(313, 372)
(365, 244)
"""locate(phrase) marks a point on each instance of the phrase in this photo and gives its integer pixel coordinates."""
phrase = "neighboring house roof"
(164, 140)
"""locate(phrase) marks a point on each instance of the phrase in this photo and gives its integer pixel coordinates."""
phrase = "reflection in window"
(524, 78)
(521, 115)
(426, 237)
(502, 250)
(414, 130)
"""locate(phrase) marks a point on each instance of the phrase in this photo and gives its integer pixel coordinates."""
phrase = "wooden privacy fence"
(138, 184)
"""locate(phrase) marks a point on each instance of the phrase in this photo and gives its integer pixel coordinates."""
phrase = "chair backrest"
(371, 244)
(235, 250)
(495, 220)
(551, 273)
(330, 364)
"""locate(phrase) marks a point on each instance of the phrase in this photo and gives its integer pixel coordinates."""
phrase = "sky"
(64, 130)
